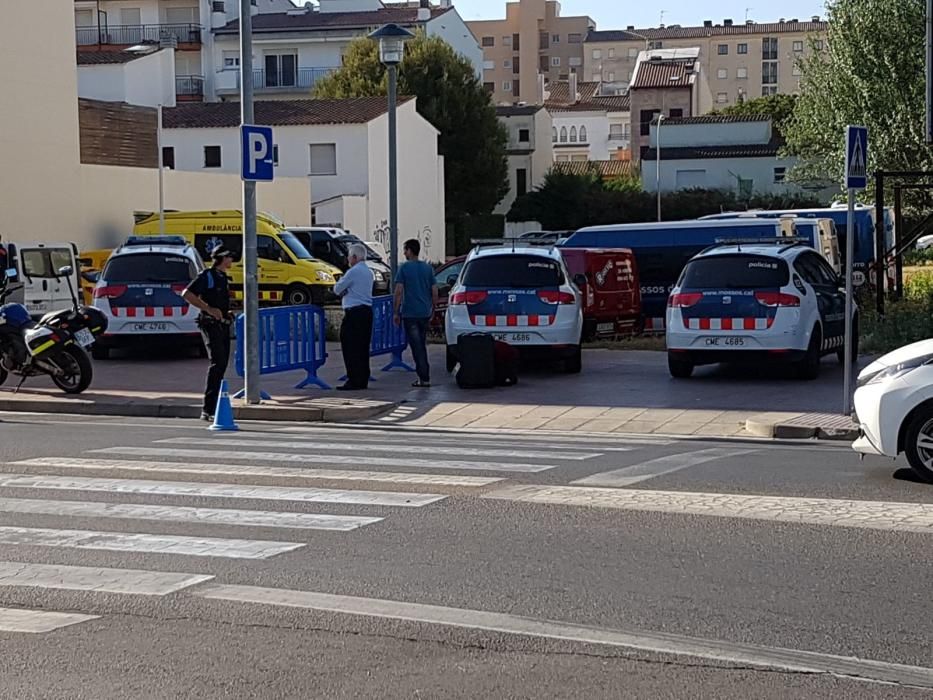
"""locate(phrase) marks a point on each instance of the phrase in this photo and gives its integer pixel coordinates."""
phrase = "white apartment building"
(340, 147)
(591, 121)
(530, 150)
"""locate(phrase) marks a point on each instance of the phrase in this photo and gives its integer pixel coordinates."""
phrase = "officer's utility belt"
(206, 321)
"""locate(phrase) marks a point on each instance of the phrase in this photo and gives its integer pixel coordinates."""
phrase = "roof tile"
(208, 115)
(605, 168)
(559, 99)
(663, 74)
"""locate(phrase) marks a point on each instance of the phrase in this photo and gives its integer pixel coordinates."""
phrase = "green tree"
(452, 99)
(779, 107)
(870, 72)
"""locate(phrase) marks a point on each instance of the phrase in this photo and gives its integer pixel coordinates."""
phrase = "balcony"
(189, 88)
(302, 79)
(132, 34)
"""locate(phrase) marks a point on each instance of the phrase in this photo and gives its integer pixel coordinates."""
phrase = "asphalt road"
(150, 558)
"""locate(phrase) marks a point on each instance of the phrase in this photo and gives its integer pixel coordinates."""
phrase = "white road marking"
(142, 542)
(184, 488)
(873, 515)
(99, 580)
(324, 459)
(653, 642)
(292, 473)
(318, 445)
(184, 514)
(626, 476)
(38, 621)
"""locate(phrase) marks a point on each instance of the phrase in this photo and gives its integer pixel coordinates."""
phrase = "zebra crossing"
(309, 481)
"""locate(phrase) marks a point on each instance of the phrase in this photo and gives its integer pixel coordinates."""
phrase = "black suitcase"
(477, 355)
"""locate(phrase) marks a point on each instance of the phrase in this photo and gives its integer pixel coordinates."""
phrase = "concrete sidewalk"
(617, 392)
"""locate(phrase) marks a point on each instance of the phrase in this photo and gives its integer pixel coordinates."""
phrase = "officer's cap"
(220, 252)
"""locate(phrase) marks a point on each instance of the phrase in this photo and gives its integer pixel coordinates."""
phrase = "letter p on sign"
(256, 147)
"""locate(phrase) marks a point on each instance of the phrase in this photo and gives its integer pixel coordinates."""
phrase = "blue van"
(662, 249)
(864, 242)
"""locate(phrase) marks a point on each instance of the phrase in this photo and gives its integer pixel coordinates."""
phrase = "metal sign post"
(856, 179)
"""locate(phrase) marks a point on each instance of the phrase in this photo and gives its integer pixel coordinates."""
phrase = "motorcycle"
(55, 345)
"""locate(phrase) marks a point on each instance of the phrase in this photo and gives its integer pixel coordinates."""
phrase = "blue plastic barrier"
(290, 338)
(387, 337)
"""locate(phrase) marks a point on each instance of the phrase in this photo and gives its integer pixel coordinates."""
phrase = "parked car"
(894, 407)
(756, 303)
(37, 267)
(522, 295)
(924, 242)
(332, 245)
(139, 292)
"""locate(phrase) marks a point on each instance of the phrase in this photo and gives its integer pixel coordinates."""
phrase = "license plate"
(513, 337)
(725, 342)
(84, 337)
(605, 327)
(150, 326)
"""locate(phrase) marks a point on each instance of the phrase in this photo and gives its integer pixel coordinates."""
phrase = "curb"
(762, 426)
(267, 412)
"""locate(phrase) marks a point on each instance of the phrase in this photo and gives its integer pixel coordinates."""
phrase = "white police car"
(139, 291)
(523, 295)
(756, 302)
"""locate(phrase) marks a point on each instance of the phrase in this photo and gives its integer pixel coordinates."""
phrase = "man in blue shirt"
(415, 299)
(355, 289)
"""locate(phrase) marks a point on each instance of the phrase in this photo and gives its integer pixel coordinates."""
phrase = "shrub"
(905, 321)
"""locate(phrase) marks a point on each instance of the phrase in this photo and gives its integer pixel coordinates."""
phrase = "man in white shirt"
(355, 290)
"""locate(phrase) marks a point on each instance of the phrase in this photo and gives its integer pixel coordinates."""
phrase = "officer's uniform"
(213, 287)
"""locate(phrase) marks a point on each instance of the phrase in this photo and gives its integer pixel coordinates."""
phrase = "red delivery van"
(612, 295)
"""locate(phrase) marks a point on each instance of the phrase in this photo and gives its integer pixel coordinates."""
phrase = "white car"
(522, 294)
(759, 302)
(894, 407)
(139, 291)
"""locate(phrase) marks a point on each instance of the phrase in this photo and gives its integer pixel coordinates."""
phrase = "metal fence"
(130, 34)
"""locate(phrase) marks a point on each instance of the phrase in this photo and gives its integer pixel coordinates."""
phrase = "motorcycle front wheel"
(76, 370)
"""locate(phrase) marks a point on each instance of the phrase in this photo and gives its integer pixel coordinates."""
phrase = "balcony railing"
(274, 81)
(189, 86)
(131, 34)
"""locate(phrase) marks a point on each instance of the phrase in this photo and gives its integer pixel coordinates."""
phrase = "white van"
(37, 266)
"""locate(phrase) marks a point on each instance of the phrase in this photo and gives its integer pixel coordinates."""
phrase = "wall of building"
(451, 28)
(596, 124)
(656, 98)
(147, 81)
(728, 134)
(719, 173)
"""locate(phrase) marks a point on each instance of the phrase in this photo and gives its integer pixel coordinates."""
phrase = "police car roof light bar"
(786, 241)
(156, 240)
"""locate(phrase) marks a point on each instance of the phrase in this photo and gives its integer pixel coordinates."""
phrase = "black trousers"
(356, 334)
(217, 340)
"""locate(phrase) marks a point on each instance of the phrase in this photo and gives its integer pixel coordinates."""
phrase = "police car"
(756, 302)
(523, 295)
(139, 291)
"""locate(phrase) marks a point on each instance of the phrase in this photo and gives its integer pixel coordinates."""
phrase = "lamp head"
(391, 38)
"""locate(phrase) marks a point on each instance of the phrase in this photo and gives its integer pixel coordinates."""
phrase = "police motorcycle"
(55, 345)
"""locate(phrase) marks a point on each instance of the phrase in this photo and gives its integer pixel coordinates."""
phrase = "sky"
(618, 14)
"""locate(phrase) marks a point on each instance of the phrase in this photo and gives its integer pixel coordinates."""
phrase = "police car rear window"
(149, 268)
(517, 271)
(735, 272)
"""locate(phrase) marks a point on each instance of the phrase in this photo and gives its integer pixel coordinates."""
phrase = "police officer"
(210, 293)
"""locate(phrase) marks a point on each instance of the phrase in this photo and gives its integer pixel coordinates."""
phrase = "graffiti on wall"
(380, 234)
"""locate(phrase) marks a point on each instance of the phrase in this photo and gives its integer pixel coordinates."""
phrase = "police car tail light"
(777, 299)
(685, 300)
(179, 288)
(549, 296)
(468, 297)
(110, 292)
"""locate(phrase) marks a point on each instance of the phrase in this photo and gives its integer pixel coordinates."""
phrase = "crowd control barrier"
(290, 338)
(388, 339)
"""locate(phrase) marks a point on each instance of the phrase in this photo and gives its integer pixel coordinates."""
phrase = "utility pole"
(657, 152)
(161, 172)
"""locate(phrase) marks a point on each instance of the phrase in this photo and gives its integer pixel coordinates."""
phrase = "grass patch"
(905, 321)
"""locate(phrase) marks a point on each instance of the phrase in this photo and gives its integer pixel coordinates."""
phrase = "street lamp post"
(657, 153)
(392, 40)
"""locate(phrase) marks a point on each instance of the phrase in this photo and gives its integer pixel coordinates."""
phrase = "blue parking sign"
(856, 157)
(256, 147)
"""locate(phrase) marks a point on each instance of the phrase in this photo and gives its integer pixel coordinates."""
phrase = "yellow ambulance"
(288, 273)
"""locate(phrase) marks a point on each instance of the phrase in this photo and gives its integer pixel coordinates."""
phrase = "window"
(632, 54)
(742, 271)
(576, 61)
(645, 118)
(583, 134)
(507, 63)
(626, 131)
(722, 73)
(610, 76)
(516, 65)
(554, 134)
(723, 49)
(741, 48)
(524, 135)
(555, 61)
(231, 60)
(555, 38)
(563, 159)
(741, 73)
(142, 266)
(506, 41)
(212, 156)
(522, 272)
(779, 174)
(516, 88)
(544, 63)
(574, 38)
(281, 69)
(168, 157)
(489, 65)
(516, 42)
(573, 134)
(722, 98)
(611, 53)
(489, 41)
(768, 90)
(563, 134)
(507, 86)
(45, 262)
(653, 45)
(676, 113)
(544, 40)
(323, 158)
(521, 181)
(182, 15)
(818, 44)
(769, 73)
(615, 132)
(267, 248)
(798, 46)
(769, 48)
(597, 53)
(490, 87)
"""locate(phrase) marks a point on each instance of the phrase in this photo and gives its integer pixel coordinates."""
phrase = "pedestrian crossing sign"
(856, 157)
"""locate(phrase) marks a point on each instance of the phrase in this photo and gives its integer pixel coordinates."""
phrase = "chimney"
(707, 23)
(727, 23)
(781, 21)
(794, 20)
(630, 28)
(815, 18)
(424, 11)
(540, 95)
(572, 88)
